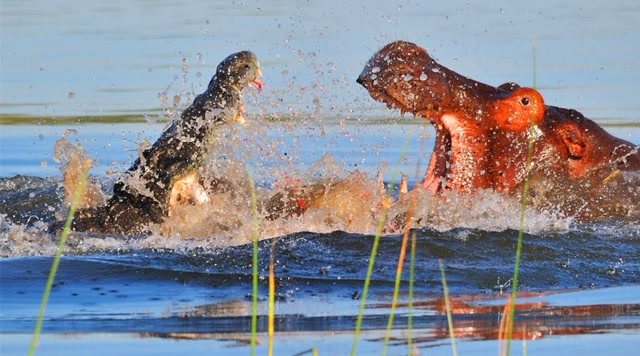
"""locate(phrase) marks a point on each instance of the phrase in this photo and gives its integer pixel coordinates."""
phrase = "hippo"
(483, 135)
(167, 173)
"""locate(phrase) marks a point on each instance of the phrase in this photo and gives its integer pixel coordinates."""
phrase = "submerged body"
(167, 172)
(483, 134)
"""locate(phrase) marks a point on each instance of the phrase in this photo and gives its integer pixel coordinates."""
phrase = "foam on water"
(335, 195)
(73, 157)
(335, 198)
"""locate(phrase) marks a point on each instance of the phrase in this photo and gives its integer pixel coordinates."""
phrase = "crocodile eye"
(525, 101)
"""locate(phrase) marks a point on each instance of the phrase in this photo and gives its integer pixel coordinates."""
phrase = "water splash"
(72, 156)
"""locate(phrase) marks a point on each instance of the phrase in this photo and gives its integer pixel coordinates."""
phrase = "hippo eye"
(525, 101)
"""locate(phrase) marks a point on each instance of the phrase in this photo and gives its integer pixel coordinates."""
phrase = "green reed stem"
(535, 61)
(447, 303)
(372, 259)
(401, 258)
(254, 301)
(365, 289)
(516, 272)
(525, 197)
(272, 296)
(396, 290)
(56, 259)
(412, 274)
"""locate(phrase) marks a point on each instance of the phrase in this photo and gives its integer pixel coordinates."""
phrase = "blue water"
(66, 65)
(64, 58)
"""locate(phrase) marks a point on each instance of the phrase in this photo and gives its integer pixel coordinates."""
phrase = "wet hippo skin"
(483, 133)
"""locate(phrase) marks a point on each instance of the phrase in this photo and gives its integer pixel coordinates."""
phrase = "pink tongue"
(258, 82)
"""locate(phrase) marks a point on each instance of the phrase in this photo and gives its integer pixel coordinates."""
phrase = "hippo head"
(405, 77)
(472, 120)
(586, 148)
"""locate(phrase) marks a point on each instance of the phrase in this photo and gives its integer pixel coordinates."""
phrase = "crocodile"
(167, 172)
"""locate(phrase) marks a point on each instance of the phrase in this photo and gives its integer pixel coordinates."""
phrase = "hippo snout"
(363, 79)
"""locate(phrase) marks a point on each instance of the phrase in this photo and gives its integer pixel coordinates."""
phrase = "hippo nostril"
(525, 101)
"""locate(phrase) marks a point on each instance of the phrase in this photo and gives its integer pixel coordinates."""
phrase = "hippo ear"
(509, 86)
(572, 138)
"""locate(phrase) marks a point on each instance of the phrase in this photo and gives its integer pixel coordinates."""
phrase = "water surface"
(65, 58)
(116, 72)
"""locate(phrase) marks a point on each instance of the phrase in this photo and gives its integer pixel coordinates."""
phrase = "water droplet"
(375, 70)
(407, 77)
(71, 95)
(423, 76)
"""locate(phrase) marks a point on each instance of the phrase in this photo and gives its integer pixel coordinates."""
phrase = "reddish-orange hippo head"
(471, 118)
(577, 147)
(483, 132)
(405, 77)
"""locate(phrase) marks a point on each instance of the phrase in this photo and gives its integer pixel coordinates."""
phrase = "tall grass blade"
(401, 258)
(525, 196)
(412, 275)
(365, 289)
(272, 296)
(503, 332)
(535, 61)
(447, 303)
(254, 301)
(516, 272)
(56, 259)
(374, 250)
